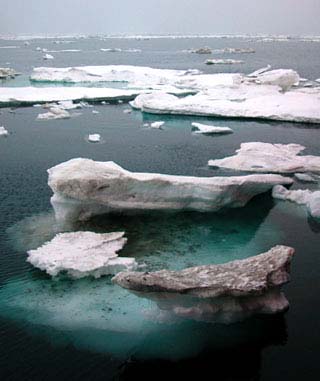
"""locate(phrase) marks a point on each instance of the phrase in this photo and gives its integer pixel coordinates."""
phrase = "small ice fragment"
(95, 112)
(3, 131)
(94, 138)
(157, 124)
(48, 57)
(127, 111)
(207, 129)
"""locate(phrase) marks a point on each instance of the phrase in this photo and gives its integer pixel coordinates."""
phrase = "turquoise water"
(93, 329)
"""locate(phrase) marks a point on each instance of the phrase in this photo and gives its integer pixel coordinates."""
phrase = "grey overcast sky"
(159, 16)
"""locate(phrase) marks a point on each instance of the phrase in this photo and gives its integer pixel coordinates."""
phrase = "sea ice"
(48, 57)
(221, 293)
(267, 157)
(207, 129)
(6, 73)
(83, 188)
(3, 131)
(222, 62)
(311, 199)
(94, 138)
(34, 95)
(82, 254)
(54, 113)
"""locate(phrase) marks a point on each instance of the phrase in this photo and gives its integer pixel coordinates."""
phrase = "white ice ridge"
(221, 61)
(83, 188)
(267, 157)
(108, 73)
(243, 101)
(207, 129)
(34, 95)
(82, 254)
(311, 199)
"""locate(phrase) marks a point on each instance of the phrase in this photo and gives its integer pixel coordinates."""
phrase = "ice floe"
(220, 293)
(267, 157)
(306, 178)
(240, 101)
(48, 57)
(223, 62)
(83, 188)
(3, 131)
(54, 113)
(208, 129)
(94, 138)
(81, 254)
(158, 124)
(204, 50)
(6, 73)
(311, 199)
(34, 95)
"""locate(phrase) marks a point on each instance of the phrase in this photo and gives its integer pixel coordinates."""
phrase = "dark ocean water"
(90, 329)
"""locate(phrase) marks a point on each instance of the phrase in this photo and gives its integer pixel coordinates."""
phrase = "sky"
(159, 16)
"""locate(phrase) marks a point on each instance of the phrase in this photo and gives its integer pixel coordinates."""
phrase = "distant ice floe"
(63, 51)
(94, 138)
(118, 50)
(10, 47)
(234, 50)
(267, 157)
(223, 62)
(204, 50)
(311, 199)
(84, 188)
(208, 130)
(6, 73)
(81, 254)
(34, 95)
(3, 131)
(47, 57)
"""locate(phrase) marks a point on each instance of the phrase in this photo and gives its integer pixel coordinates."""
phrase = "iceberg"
(267, 157)
(220, 293)
(206, 129)
(3, 131)
(83, 188)
(300, 196)
(33, 95)
(81, 254)
(223, 62)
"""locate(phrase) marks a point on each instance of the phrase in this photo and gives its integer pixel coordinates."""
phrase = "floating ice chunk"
(267, 157)
(305, 177)
(127, 111)
(285, 78)
(83, 188)
(301, 196)
(260, 71)
(204, 50)
(68, 105)
(6, 73)
(33, 95)
(95, 112)
(38, 49)
(3, 131)
(207, 129)
(48, 57)
(157, 124)
(54, 113)
(223, 293)
(113, 50)
(94, 138)
(222, 62)
(82, 254)
(234, 50)
(240, 101)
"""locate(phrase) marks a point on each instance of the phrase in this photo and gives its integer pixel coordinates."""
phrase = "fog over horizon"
(291, 17)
